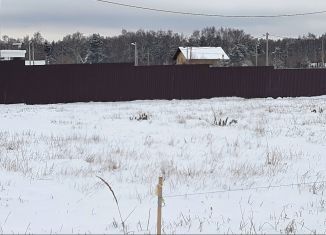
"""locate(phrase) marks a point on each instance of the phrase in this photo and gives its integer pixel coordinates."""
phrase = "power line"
(243, 189)
(210, 15)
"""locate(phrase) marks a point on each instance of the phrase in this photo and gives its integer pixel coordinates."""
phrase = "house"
(12, 54)
(7, 55)
(214, 56)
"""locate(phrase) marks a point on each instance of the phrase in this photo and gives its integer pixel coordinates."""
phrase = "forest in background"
(158, 47)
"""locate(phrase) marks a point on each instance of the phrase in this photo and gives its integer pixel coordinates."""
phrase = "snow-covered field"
(50, 156)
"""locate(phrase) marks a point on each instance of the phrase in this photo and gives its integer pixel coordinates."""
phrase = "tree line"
(158, 47)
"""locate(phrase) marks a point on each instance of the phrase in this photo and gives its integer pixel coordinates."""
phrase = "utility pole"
(267, 62)
(61, 54)
(33, 50)
(322, 52)
(257, 52)
(136, 55)
(29, 52)
(148, 58)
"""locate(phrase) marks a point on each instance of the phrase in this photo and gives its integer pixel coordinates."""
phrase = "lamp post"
(33, 50)
(29, 53)
(136, 53)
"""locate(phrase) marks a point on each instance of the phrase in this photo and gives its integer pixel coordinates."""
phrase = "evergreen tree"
(47, 51)
(278, 58)
(95, 51)
(238, 55)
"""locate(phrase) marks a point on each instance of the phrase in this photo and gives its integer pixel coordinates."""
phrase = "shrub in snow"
(141, 117)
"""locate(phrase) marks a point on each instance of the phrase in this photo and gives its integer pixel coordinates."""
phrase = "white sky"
(56, 18)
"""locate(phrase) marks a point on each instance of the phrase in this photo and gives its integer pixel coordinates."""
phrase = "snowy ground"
(50, 156)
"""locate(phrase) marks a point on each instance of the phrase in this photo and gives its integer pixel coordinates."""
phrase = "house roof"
(12, 53)
(202, 53)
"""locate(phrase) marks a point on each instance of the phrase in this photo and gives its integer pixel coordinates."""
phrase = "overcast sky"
(56, 18)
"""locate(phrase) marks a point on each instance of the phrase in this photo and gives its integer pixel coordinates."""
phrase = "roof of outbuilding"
(202, 53)
(12, 53)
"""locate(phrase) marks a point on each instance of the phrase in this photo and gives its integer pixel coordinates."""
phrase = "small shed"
(201, 55)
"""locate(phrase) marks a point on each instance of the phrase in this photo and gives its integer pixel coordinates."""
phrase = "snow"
(35, 62)
(12, 53)
(207, 53)
(50, 156)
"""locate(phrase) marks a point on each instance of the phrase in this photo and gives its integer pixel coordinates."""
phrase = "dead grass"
(189, 152)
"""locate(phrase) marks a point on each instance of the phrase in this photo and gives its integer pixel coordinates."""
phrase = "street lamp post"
(136, 53)
(31, 56)
(29, 52)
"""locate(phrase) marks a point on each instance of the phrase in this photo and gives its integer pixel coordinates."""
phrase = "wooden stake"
(159, 205)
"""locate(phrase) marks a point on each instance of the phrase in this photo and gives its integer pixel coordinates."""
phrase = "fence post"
(159, 205)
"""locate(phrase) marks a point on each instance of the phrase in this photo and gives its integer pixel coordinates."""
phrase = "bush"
(140, 117)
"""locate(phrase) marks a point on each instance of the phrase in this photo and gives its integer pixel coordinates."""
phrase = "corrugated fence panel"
(123, 82)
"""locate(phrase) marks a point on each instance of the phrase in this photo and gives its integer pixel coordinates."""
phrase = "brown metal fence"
(123, 82)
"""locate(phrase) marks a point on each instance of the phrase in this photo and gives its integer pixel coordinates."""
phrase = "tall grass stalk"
(116, 201)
